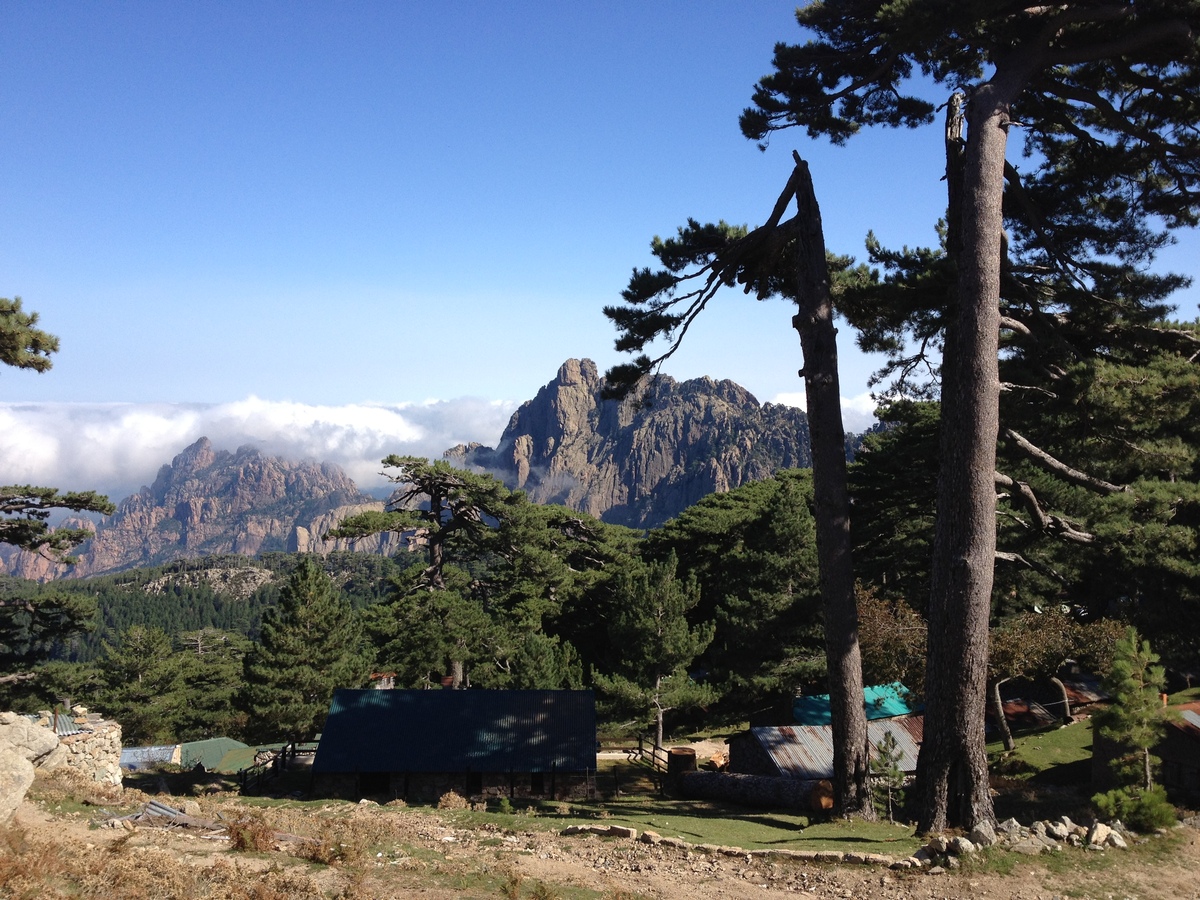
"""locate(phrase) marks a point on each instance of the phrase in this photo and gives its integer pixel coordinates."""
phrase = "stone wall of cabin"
(428, 787)
(95, 751)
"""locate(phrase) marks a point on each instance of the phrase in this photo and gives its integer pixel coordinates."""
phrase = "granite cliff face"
(212, 501)
(639, 465)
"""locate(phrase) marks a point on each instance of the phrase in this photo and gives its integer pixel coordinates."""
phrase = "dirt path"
(424, 854)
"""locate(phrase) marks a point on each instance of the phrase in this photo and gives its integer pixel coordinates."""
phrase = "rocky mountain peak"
(208, 501)
(639, 462)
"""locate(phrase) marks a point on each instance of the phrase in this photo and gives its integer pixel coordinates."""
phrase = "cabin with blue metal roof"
(881, 701)
(419, 745)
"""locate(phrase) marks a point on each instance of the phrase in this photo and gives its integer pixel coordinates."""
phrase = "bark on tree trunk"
(998, 714)
(814, 323)
(658, 713)
(952, 771)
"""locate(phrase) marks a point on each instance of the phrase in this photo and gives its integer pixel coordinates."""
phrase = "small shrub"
(451, 800)
(325, 852)
(398, 803)
(251, 834)
(563, 809)
(505, 806)
(119, 845)
(1140, 810)
(542, 891)
(510, 888)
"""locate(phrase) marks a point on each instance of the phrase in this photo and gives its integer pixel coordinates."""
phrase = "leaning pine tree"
(310, 645)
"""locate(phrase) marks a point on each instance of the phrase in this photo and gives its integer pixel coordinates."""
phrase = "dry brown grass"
(33, 868)
(57, 786)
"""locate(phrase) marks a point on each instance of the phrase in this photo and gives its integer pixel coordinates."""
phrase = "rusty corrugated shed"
(1027, 713)
(1189, 719)
(1083, 691)
(806, 751)
(458, 731)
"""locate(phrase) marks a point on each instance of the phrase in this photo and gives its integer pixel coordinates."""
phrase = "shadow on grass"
(1078, 772)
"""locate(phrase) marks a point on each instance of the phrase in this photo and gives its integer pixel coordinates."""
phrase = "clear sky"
(347, 229)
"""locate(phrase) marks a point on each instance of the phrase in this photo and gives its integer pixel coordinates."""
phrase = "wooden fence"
(255, 778)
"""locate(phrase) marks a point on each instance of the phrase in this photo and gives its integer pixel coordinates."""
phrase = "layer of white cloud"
(858, 413)
(118, 447)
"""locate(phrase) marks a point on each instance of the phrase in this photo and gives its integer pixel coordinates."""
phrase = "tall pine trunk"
(952, 774)
(814, 323)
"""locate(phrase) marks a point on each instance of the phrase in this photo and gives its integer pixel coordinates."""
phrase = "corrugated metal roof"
(64, 724)
(458, 731)
(806, 751)
(142, 757)
(208, 753)
(1082, 691)
(881, 701)
(1189, 719)
(1027, 713)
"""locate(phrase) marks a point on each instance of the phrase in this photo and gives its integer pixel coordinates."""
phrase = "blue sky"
(315, 219)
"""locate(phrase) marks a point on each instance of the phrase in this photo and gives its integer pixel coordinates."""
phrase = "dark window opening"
(374, 782)
(474, 782)
(537, 783)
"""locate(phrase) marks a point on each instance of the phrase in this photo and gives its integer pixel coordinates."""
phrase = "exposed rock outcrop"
(639, 463)
(209, 501)
(16, 775)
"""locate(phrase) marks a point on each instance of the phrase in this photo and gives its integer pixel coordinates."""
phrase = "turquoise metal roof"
(458, 731)
(882, 701)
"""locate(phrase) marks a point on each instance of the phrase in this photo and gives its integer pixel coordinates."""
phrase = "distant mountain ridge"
(629, 463)
(639, 464)
(209, 501)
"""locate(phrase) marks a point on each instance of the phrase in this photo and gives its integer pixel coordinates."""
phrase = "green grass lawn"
(1191, 695)
(1057, 755)
(699, 822)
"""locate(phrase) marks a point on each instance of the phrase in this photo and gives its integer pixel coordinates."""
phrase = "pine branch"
(1056, 467)
(1050, 524)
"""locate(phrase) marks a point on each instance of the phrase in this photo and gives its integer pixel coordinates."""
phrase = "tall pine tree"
(654, 644)
(309, 645)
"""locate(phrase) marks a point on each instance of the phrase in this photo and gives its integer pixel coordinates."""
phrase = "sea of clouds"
(116, 448)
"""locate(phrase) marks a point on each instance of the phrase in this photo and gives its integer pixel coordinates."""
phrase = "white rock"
(27, 738)
(1057, 830)
(1098, 834)
(961, 846)
(16, 775)
(983, 834)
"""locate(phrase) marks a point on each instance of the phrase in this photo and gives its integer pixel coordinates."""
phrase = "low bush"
(451, 800)
(251, 834)
(1141, 810)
